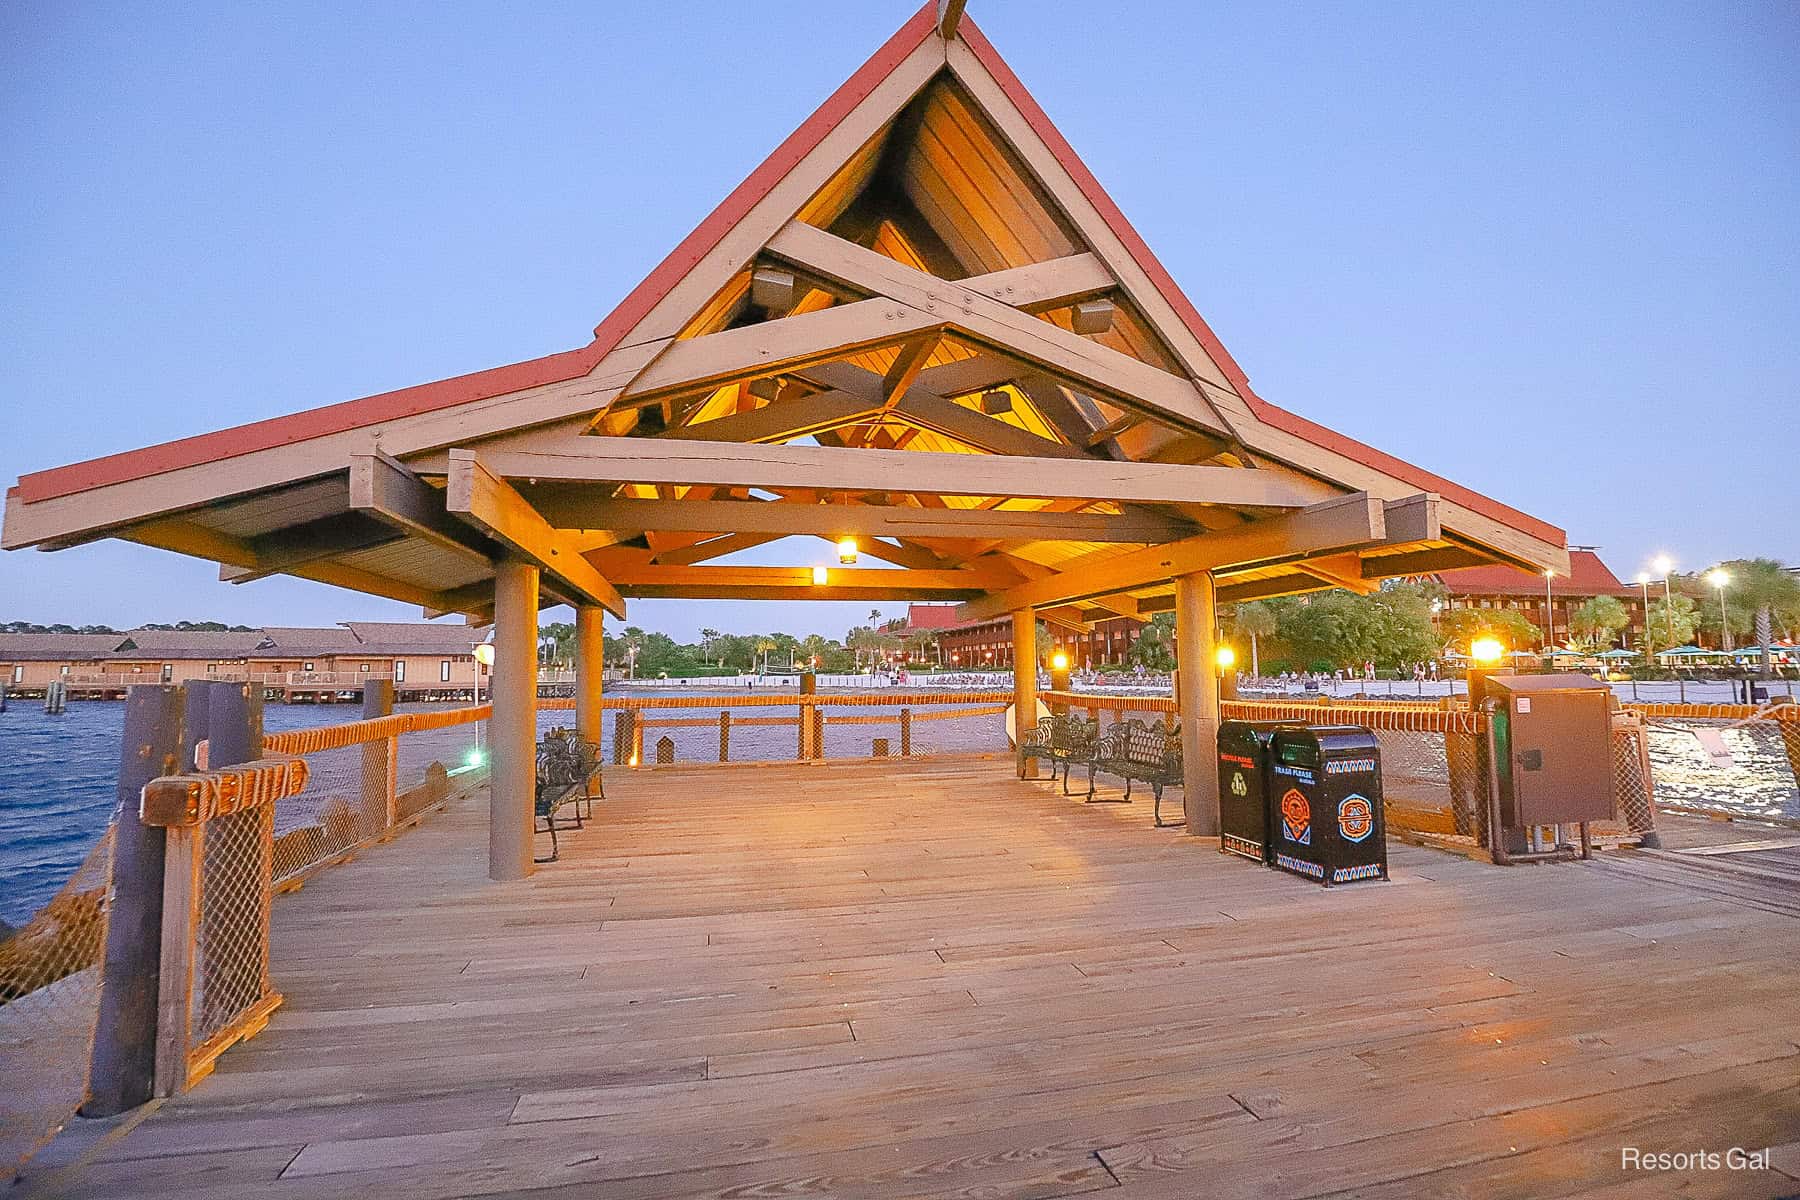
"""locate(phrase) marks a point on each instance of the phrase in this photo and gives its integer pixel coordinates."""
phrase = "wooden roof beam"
(1348, 522)
(583, 459)
(574, 506)
(385, 489)
(489, 503)
(1090, 365)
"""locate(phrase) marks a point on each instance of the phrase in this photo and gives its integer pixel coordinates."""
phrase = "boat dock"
(934, 979)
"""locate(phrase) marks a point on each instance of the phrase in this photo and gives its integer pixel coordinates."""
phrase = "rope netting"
(49, 1002)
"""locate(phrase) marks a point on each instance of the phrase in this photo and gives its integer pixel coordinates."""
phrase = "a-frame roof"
(925, 264)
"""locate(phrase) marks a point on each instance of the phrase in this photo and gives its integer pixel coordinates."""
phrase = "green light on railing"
(475, 759)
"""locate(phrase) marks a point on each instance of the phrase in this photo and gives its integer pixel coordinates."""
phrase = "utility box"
(1244, 787)
(1325, 781)
(1552, 749)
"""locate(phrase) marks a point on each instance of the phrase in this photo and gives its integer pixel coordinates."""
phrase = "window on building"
(63, 670)
(168, 672)
(306, 666)
(363, 667)
(444, 673)
(399, 670)
(18, 673)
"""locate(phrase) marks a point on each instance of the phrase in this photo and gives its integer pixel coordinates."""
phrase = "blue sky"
(1550, 251)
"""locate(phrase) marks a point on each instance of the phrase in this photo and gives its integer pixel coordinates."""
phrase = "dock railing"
(648, 731)
(219, 865)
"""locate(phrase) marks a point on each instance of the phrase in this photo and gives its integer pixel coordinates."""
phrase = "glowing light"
(484, 654)
(1718, 578)
(1663, 564)
(633, 761)
(1642, 578)
(1059, 661)
(1226, 657)
(1549, 573)
(475, 758)
(1486, 650)
(819, 576)
(847, 550)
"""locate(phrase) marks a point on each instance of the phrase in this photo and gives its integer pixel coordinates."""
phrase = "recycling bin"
(1325, 810)
(1244, 787)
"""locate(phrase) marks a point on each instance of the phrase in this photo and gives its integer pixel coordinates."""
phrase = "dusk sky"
(1550, 251)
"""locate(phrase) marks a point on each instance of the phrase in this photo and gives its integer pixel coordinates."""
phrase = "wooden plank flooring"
(930, 979)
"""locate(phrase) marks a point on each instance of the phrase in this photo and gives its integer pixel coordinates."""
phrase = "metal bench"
(565, 764)
(1148, 754)
(1065, 741)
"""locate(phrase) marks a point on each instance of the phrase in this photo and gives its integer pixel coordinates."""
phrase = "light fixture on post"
(846, 549)
(1719, 579)
(1225, 658)
(819, 576)
(1549, 615)
(1665, 567)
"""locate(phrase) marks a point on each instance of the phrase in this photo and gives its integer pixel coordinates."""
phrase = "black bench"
(565, 764)
(1148, 754)
(1065, 741)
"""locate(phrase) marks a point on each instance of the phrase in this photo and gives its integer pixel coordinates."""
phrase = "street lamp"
(1549, 617)
(1643, 581)
(1665, 567)
(1225, 657)
(1719, 579)
(484, 654)
(1486, 650)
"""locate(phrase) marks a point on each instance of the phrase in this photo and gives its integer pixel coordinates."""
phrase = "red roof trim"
(498, 381)
(1146, 259)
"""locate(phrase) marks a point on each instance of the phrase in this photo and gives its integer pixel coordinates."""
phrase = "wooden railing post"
(123, 1067)
(379, 768)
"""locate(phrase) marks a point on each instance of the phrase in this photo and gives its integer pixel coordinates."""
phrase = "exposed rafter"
(725, 464)
(489, 503)
(572, 506)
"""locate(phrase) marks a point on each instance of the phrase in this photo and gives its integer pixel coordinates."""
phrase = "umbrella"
(1617, 654)
(1690, 652)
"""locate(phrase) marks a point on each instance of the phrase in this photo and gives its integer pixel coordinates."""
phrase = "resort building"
(1503, 587)
(34, 660)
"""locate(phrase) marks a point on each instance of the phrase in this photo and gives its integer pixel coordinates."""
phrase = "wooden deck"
(933, 980)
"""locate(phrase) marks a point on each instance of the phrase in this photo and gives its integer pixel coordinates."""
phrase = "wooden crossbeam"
(488, 502)
(1091, 365)
(280, 551)
(931, 410)
(690, 364)
(576, 506)
(239, 563)
(583, 459)
(783, 420)
(1346, 523)
(386, 490)
(1421, 562)
(717, 547)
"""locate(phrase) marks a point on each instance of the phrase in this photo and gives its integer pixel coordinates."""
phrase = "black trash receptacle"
(1325, 787)
(1244, 787)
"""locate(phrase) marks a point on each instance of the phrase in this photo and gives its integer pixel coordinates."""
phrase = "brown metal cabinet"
(1552, 748)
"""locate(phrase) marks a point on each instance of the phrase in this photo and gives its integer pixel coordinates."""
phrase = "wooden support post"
(1024, 686)
(513, 727)
(380, 777)
(808, 748)
(590, 665)
(1198, 696)
(124, 1060)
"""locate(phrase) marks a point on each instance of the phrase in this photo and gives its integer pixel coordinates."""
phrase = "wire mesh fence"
(49, 1001)
(1729, 758)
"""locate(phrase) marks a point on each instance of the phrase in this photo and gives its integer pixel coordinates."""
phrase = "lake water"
(58, 773)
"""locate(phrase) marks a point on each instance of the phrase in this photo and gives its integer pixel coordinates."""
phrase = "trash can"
(1244, 787)
(1325, 786)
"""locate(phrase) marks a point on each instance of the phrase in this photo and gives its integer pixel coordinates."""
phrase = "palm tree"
(707, 638)
(1255, 620)
(763, 646)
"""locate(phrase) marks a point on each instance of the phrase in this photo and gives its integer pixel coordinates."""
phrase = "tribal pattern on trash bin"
(1356, 817)
(1296, 817)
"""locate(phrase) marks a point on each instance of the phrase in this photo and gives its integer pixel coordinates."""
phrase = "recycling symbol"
(1238, 786)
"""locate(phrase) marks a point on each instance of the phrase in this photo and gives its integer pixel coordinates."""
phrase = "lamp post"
(1719, 579)
(1549, 617)
(484, 657)
(1664, 567)
(1643, 581)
